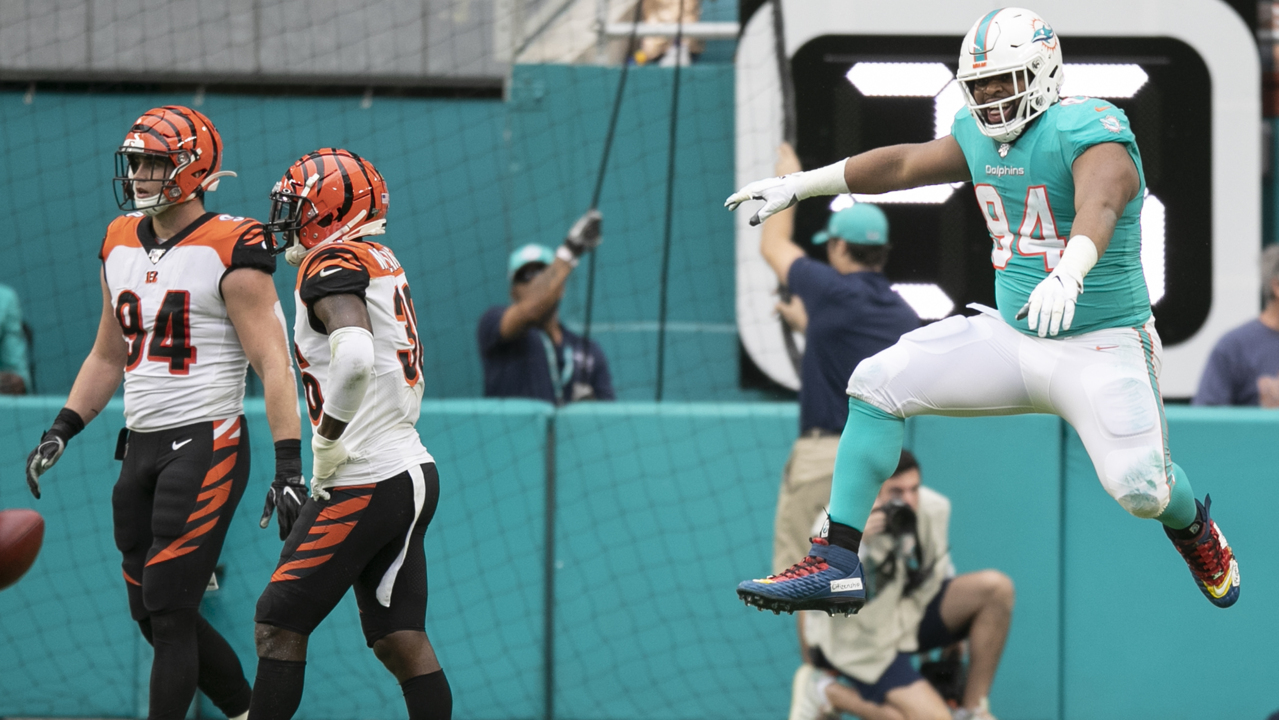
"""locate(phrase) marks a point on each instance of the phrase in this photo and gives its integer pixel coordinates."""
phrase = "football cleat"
(1210, 558)
(829, 579)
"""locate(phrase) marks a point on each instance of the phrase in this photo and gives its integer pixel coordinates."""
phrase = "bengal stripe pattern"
(215, 490)
(174, 128)
(332, 526)
(348, 184)
(335, 258)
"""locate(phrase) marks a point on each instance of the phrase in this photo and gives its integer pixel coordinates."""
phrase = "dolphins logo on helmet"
(1043, 34)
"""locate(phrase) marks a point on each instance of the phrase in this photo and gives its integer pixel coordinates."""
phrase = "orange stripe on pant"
(328, 536)
(281, 573)
(177, 547)
(231, 436)
(340, 510)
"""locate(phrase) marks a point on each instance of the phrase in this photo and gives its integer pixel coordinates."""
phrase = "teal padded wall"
(1002, 475)
(1141, 642)
(661, 510)
(469, 181)
(558, 117)
(67, 645)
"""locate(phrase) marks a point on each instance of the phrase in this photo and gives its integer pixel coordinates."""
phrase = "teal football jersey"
(1027, 196)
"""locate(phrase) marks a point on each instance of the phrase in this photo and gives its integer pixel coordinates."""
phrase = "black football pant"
(177, 492)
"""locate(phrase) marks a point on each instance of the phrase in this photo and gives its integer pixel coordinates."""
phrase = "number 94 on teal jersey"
(1026, 194)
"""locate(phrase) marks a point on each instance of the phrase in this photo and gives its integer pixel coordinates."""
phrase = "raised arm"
(543, 292)
(896, 167)
(548, 287)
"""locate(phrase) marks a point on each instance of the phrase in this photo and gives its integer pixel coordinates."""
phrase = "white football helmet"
(1017, 41)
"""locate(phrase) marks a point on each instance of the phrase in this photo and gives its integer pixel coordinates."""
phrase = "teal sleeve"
(13, 342)
(1084, 122)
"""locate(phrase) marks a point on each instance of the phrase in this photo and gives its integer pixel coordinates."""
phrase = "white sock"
(822, 682)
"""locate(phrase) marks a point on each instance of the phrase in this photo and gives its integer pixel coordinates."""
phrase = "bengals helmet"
(185, 142)
(330, 194)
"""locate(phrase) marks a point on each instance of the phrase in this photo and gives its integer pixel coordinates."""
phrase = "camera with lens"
(899, 518)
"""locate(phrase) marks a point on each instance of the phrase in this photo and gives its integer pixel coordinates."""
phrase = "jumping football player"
(375, 486)
(1060, 184)
(187, 304)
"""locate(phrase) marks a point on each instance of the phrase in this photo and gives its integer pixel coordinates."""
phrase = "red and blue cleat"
(1210, 558)
(829, 579)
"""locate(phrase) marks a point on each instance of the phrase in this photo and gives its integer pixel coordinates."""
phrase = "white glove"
(1052, 303)
(777, 193)
(782, 192)
(326, 457)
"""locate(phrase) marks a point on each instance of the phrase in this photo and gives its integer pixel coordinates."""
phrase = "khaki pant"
(802, 500)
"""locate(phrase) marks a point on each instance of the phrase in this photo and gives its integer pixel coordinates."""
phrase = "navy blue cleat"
(829, 579)
(1210, 558)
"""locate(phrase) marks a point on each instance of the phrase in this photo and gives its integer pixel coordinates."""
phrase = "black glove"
(585, 236)
(288, 491)
(67, 425)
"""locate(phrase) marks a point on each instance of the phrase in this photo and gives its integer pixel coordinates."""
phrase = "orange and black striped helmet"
(187, 146)
(329, 194)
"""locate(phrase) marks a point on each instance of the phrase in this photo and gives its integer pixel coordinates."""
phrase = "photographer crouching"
(861, 665)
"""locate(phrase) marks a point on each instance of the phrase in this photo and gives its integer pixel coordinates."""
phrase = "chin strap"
(376, 227)
(297, 253)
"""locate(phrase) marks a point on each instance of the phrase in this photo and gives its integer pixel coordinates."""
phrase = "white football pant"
(1104, 383)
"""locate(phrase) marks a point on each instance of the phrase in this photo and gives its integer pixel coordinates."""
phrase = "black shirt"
(521, 367)
(850, 318)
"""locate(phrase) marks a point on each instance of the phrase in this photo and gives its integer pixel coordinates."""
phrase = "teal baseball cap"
(861, 224)
(531, 253)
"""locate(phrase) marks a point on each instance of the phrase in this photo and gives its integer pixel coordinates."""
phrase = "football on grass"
(21, 532)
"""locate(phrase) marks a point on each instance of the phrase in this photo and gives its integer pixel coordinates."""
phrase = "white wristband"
(1079, 258)
(823, 181)
(350, 368)
(563, 253)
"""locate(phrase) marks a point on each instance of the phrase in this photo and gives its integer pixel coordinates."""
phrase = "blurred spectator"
(848, 312)
(658, 49)
(1244, 366)
(526, 352)
(861, 664)
(15, 374)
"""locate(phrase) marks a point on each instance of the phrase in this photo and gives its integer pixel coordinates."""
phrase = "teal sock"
(1181, 510)
(869, 451)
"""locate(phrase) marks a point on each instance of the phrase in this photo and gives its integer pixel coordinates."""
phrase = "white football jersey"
(185, 363)
(381, 439)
